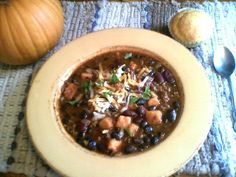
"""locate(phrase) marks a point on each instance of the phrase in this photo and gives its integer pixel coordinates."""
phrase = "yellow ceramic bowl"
(70, 159)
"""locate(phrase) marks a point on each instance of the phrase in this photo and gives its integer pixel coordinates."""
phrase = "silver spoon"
(224, 64)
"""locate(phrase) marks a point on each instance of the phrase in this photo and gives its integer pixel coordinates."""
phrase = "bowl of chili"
(120, 106)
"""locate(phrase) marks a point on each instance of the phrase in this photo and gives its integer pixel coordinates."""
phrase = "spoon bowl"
(224, 62)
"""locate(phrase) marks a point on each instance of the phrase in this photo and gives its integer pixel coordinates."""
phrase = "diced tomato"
(114, 145)
(153, 102)
(154, 117)
(123, 122)
(133, 129)
(132, 106)
(106, 123)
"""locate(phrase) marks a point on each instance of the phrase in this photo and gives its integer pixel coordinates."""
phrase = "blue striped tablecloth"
(218, 154)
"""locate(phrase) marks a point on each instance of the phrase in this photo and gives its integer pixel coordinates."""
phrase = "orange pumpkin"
(29, 29)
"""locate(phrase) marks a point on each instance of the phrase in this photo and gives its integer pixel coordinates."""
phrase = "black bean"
(146, 140)
(130, 113)
(152, 108)
(92, 145)
(176, 105)
(148, 129)
(138, 141)
(171, 115)
(143, 124)
(130, 149)
(121, 133)
(141, 101)
(117, 134)
(155, 139)
(168, 76)
(83, 115)
(159, 78)
(141, 111)
(151, 73)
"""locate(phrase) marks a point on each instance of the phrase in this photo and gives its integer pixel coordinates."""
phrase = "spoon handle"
(232, 85)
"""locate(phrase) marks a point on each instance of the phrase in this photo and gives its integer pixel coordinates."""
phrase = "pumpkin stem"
(4, 1)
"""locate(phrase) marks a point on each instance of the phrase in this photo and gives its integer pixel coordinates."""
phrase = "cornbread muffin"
(190, 27)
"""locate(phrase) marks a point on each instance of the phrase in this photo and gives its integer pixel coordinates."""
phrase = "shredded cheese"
(100, 74)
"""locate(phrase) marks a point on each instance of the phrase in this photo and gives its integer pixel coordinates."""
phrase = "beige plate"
(69, 159)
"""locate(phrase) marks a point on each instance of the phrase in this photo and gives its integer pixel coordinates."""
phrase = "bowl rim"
(191, 130)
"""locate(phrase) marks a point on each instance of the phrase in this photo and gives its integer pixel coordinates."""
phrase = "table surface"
(216, 157)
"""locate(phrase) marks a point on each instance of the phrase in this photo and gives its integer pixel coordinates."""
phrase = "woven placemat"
(217, 155)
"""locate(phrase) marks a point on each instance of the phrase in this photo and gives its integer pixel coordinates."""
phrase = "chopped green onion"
(106, 93)
(73, 102)
(147, 93)
(87, 86)
(99, 83)
(133, 100)
(114, 79)
(128, 56)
